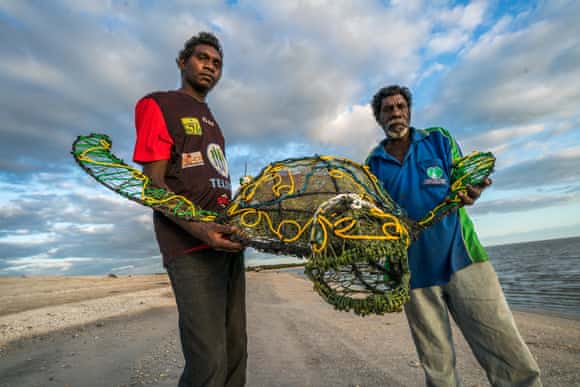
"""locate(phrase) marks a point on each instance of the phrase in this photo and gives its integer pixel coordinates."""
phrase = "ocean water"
(540, 276)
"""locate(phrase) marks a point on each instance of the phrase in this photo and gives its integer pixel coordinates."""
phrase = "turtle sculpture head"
(359, 255)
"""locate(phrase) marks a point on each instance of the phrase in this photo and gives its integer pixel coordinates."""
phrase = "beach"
(122, 331)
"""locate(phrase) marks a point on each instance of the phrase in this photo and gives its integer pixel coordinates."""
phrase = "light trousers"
(476, 302)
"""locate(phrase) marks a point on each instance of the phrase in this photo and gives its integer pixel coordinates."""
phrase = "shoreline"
(294, 269)
(107, 297)
(294, 337)
(546, 313)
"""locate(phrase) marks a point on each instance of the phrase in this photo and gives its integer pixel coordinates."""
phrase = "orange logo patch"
(194, 159)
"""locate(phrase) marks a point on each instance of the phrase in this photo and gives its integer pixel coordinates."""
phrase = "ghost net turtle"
(329, 210)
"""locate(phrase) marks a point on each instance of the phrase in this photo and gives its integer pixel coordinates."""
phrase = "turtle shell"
(276, 208)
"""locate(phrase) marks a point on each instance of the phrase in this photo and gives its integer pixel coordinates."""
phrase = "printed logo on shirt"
(191, 126)
(217, 159)
(193, 159)
(223, 201)
(220, 183)
(435, 176)
(207, 121)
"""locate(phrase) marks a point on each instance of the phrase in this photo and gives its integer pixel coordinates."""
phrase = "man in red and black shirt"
(181, 148)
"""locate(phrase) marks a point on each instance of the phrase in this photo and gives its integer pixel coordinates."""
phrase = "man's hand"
(217, 236)
(473, 192)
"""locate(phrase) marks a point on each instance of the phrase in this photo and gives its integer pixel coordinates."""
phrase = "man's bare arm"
(213, 234)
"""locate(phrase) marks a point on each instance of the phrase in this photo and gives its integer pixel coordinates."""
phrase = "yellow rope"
(138, 175)
(284, 183)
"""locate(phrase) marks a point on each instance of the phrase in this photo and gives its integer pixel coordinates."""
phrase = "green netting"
(333, 212)
(468, 170)
(329, 210)
(93, 154)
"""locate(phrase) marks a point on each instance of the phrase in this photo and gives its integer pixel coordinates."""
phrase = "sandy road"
(294, 340)
(131, 350)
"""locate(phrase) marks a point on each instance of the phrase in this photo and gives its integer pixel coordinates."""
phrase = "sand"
(102, 331)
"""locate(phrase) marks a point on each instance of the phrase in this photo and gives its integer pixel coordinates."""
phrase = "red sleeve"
(153, 139)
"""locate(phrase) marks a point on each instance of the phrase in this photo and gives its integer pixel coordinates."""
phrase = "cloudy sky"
(298, 78)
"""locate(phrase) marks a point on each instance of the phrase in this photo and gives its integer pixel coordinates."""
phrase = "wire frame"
(93, 155)
(359, 256)
(333, 212)
(329, 210)
(469, 170)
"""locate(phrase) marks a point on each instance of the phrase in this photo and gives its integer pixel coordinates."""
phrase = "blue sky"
(298, 78)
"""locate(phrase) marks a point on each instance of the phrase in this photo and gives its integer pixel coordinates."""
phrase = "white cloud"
(96, 228)
(31, 70)
(42, 263)
(145, 219)
(523, 204)
(354, 129)
(516, 74)
(355, 33)
(432, 69)
(500, 140)
(11, 210)
(287, 73)
(570, 153)
(467, 17)
(448, 42)
(555, 170)
(123, 268)
(28, 238)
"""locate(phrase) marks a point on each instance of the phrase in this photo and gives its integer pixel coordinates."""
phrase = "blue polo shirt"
(419, 184)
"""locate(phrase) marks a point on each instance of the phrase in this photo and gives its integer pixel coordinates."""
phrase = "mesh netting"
(279, 204)
(359, 256)
(329, 210)
(468, 170)
(93, 154)
(332, 211)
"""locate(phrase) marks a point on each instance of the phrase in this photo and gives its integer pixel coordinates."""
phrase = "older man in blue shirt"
(450, 271)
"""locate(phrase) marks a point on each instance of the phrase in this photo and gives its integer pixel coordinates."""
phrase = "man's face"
(395, 116)
(203, 69)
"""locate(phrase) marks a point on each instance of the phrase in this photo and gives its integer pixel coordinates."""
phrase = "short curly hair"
(387, 92)
(201, 38)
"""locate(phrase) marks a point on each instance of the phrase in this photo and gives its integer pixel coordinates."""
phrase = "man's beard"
(397, 132)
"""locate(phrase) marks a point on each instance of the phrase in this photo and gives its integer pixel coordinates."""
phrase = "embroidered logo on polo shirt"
(193, 159)
(434, 172)
(217, 159)
(435, 176)
(191, 126)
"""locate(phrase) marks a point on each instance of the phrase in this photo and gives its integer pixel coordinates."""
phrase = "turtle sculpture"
(330, 211)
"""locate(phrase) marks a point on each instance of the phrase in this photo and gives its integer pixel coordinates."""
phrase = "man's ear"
(381, 122)
(180, 63)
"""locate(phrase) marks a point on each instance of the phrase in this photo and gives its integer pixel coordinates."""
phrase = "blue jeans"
(209, 288)
(476, 302)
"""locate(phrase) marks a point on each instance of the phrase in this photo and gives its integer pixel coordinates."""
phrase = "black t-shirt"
(197, 168)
